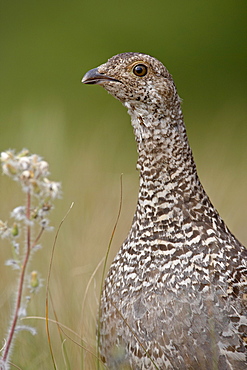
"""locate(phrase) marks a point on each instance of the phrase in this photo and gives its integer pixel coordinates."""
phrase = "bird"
(175, 296)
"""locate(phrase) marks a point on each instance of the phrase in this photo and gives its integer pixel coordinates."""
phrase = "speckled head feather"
(155, 85)
(175, 296)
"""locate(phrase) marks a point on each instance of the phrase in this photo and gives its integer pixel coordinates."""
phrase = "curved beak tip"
(91, 77)
(94, 77)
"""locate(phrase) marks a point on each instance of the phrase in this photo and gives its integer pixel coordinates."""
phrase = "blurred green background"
(86, 136)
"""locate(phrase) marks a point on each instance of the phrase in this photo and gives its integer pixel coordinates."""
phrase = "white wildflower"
(5, 231)
(24, 163)
(19, 213)
(44, 223)
(16, 247)
(52, 188)
(4, 156)
(13, 263)
(41, 169)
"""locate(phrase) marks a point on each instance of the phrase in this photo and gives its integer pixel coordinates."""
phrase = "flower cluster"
(24, 233)
(31, 171)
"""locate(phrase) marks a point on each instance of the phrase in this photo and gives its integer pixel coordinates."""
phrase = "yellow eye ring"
(140, 70)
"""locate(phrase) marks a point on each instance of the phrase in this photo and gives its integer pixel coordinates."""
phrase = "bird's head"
(137, 80)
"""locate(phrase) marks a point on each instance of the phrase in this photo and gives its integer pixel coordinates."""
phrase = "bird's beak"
(94, 77)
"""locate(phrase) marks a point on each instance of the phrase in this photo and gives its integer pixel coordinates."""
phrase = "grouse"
(175, 296)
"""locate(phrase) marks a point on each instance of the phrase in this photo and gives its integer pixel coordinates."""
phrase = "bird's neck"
(162, 144)
(168, 176)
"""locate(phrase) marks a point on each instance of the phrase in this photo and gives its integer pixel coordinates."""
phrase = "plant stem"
(21, 281)
(38, 237)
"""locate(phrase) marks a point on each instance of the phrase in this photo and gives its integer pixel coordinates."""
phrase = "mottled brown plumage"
(176, 293)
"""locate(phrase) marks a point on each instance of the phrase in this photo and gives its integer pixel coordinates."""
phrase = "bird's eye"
(140, 70)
